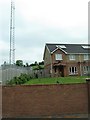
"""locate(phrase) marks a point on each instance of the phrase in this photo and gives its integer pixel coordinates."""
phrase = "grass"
(61, 80)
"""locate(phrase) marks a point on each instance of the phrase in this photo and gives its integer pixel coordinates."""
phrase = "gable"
(59, 49)
(46, 51)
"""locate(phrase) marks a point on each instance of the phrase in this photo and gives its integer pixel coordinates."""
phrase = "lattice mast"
(12, 34)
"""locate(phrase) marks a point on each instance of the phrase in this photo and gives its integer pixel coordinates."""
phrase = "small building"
(66, 60)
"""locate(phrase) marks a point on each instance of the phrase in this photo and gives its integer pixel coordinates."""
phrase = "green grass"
(61, 80)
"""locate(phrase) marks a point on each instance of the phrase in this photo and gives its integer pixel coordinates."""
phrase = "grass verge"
(59, 80)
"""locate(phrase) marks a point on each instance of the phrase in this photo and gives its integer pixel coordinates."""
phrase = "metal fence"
(7, 72)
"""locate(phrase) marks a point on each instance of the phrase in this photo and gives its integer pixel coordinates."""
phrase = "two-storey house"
(66, 60)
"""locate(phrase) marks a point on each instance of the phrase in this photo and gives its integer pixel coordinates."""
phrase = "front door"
(61, 70)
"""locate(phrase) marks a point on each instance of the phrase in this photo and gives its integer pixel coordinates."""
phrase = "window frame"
(58, 56)
(86, 69)
(86, 57)
(72, 57)
(73, 70)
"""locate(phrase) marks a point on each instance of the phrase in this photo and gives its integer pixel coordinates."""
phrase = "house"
(66, 60)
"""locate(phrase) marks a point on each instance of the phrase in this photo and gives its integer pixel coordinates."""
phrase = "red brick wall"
(44, 100)
(0, 102)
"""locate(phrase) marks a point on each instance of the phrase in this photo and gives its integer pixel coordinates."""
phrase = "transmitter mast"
(12, 34)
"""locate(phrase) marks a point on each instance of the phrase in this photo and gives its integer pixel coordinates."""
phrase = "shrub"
(19, 80)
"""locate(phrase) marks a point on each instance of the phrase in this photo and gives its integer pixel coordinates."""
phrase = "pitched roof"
(69, 48)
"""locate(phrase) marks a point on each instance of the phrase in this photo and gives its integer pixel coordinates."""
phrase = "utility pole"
(12, 34)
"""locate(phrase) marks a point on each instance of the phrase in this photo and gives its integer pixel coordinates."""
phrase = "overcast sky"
(38, 22)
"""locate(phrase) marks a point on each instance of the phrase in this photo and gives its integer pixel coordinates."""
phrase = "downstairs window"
(72, 70)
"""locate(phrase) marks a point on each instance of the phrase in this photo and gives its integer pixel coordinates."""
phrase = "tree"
(19, 63)
(36, 63)
(41, 63)
(5, 63)
(27, 64)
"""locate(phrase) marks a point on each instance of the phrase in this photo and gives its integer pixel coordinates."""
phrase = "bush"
(19, 80)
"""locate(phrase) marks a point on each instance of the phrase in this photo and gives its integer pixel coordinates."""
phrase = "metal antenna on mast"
(12, 34)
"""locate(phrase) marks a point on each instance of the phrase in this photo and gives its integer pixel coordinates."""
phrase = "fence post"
(88, 90)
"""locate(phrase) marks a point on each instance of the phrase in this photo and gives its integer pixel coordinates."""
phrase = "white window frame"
(86, 57)
(58, 56)
(72, 70)
(71, 57)
(86, 69)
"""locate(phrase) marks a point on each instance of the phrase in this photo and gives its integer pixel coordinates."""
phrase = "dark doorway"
(61, 70)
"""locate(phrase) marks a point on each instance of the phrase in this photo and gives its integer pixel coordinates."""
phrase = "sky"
(38, 22)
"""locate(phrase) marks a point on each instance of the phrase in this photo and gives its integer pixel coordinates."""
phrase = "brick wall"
(44, 100)
(0, 102)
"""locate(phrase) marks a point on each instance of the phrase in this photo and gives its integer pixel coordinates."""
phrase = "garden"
(26, 79)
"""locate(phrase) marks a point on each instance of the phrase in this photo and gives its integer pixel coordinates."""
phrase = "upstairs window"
(71, 57)
(58, 56)
(86, 57)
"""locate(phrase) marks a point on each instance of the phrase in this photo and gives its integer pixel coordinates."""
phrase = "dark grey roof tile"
(70, 48)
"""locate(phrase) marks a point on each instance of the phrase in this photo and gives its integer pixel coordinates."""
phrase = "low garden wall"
(28, 101)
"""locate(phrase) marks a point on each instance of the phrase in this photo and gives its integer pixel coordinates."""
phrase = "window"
(58, 56)
(71, 57)
(72, 70)
(86, 69)
(86, 47)
(61, 46)
(86, 57)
